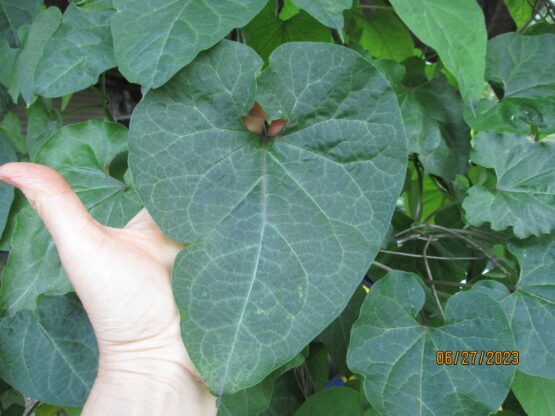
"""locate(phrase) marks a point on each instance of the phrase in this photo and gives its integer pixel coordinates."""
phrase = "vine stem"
(397, 253)
(371, 6)
(430, 277)
(382, 266)
(458, 234)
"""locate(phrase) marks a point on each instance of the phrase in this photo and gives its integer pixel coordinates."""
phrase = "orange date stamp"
(477, 357)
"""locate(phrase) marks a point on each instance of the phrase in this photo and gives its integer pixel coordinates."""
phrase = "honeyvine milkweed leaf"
(82, 154)
(521, 11)
(382, 34)
(457, 31)
(328, 12)
(531, 308)
(7, 154)
(522, 66)
(436, 131)
(256, 399)
(42, 121)
(281, 230)
(76, 54)
(20, 71)
(50, 354)
(154, 40)
(287, 397)
(535, 394)
(13, 15)
(332, 402)
(337, 335)
(396, 354)
(524, 197)
(267, 31)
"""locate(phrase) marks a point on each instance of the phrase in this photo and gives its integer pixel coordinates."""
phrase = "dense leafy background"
(406, 208)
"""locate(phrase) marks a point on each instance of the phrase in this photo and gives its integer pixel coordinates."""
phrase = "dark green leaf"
(12, 403)
(457, 31)
(522, 65)
(271, 221)
(21, 76)
(256, 399)
(333, 402)
(7, 154)
(525, 192)
(317, 365)
(51, 354)
(287, 397)
(82, 154)
(76, 54)
(436, 131)
(328, 12)
(14, 14)
(154, 40)
(531, 308)
(397, 355)
(382, 34)
(337, 335)
(535, 394)
(267, 31)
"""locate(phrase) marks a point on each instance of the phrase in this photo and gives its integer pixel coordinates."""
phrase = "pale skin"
(123, 278)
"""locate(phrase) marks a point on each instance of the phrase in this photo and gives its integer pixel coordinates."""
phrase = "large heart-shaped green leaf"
(281, 230)
(7, 154)
(457, 31)
(14, 14)
(524, 197)
(50, 354)
(154, 40)
(82, 153)
(397, 354)
(523, 68)
(328, 12)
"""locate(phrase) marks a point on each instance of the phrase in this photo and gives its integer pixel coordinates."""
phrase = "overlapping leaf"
(154, 40)
(457, 31)
(531, 308)
(328, 12)
(76, 54)
(332, 402)
(283, 229)
(7, 154)
(256, 399)
(267, 31)
(535, 394)
(14, 14)
(522, 66)
(82, 154)
(19, 65)
(397, 355)
(524, 197)
(50, 354)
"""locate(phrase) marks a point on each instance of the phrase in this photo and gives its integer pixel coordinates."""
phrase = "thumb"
(50, 195)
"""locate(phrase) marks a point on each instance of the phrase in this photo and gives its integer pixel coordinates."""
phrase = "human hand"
(123, 278)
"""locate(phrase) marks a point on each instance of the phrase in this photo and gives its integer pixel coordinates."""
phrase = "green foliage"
(521, 68)
(457, 32)
(415, 154)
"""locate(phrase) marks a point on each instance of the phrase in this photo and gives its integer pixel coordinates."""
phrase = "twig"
(430, 257)
(442, 283)
(429, 273)
(382, 266)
